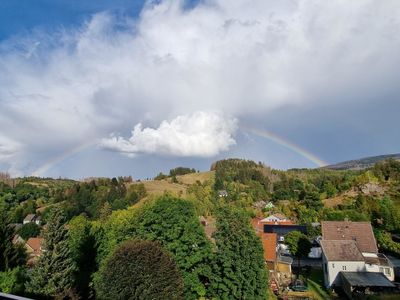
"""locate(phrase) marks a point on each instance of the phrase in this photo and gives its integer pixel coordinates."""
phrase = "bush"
(139, 269)
(12, 281)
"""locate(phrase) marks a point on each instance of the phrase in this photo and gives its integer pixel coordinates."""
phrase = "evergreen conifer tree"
(10, 255)
(54, 273)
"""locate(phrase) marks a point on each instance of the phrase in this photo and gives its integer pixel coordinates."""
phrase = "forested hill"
(195, 225)
(363, 163)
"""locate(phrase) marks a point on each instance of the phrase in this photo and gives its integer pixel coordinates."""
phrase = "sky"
(127, 87)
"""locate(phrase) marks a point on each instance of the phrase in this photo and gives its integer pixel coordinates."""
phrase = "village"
(344, 258)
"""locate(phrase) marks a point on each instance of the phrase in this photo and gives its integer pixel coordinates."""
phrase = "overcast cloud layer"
(59, 90)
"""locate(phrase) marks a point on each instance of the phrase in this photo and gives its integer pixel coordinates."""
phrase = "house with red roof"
(34, 249)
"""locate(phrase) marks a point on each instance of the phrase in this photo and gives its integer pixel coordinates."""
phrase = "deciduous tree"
(139, 270)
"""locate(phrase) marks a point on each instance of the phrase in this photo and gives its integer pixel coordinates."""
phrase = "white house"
(338, 256)
(32, 218)
(351, 247)
(278, 217)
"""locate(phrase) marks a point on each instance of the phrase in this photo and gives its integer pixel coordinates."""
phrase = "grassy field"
(193, 177)
(159, 187)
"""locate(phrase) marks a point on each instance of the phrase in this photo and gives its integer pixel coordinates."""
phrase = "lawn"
(315, 283)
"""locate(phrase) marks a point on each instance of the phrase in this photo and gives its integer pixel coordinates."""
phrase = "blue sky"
(107, 88)
(22, 16)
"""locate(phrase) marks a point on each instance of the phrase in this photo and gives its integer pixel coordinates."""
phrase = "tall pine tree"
(53, 275)
(10, 255)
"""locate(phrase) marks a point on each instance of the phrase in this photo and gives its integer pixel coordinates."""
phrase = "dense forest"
(114, 239)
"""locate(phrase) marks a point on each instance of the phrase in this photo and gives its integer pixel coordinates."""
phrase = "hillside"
(179, 188)
(361, 164)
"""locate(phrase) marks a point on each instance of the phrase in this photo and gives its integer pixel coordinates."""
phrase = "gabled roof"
(269, 244)
(280, 216)
(361, 232)
(341, 250)
(30, 217)
(35, 244)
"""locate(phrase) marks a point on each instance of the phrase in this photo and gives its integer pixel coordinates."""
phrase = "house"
(34, 249)
(280, 266)
(277, 217)
(32, 218)
(338, 256)
(351, 247)
(222, 193)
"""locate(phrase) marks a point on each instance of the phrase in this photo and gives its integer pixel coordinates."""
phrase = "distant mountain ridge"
(363, 163)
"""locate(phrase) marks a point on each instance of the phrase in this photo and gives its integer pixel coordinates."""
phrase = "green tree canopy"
(174, 223)
(299, 245)
(29, 230)
(11, 255)
(240, 271)
(139, 270)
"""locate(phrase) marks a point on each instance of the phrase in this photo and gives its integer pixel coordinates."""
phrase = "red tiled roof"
(360, 232)
(35, 244)
(269, 244)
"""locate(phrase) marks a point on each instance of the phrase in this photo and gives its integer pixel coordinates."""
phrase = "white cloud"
(59, 90)
(8, 148)
(200, 134)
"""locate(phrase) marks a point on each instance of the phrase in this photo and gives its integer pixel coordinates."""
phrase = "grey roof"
(285, 259)
(30, 217)
(341, 250)
(366, 279)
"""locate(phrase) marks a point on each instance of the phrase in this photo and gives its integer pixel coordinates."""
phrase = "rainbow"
(258, 132)
(56, 160)
(287, 144)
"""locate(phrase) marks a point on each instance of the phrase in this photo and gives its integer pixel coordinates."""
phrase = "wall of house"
(386, 270)
(332, 269)
(283, 268)
(273, 219)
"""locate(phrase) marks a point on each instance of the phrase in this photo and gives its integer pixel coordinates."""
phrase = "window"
(381, 269)
(344, 268)
(333, 265)
(387, 271)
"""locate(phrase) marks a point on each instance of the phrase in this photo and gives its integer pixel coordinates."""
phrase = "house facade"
(275, 218)
(351, 247)
(338, 256)
(32, 218)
